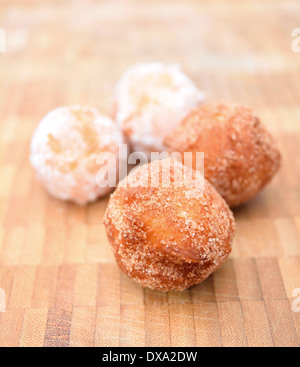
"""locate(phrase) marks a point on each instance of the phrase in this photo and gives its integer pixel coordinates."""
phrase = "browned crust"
(164, 239)
(240, 156)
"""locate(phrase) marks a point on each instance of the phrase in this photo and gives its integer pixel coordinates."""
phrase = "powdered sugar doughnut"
(162, 236)
(64, 149)
(150, 100)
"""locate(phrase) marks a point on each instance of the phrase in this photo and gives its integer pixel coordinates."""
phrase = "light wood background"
(62, 285)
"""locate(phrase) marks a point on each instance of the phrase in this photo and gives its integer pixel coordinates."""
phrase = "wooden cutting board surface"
(62, 285)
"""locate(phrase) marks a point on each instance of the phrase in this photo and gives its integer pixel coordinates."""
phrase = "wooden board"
(62, 285)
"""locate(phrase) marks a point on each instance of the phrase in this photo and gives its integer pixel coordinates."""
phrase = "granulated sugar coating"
(168, 237)
(240, 156)
(150, 100)
(64, 149)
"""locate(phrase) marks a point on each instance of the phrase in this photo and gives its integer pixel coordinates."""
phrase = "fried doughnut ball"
(150, 100)
(240, 156)
(64, 148)
(165, 235)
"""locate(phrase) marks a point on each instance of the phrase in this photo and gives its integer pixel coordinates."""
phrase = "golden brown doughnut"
(168, 237)
(240, 156)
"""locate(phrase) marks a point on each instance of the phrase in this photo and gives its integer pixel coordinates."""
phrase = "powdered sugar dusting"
(150, 100)
(64, 148)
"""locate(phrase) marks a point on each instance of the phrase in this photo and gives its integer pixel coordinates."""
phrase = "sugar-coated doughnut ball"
(64, 149)
(240, 156)
(168, 234)
(150, 100)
